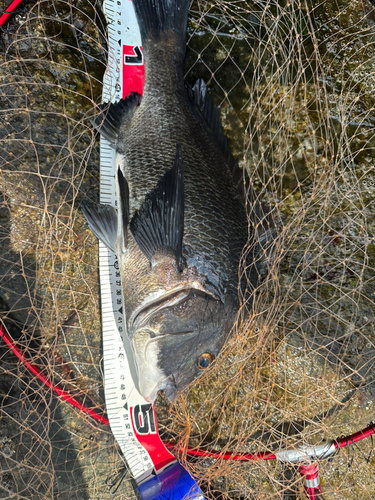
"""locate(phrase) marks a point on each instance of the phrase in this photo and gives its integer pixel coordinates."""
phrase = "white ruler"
(132, 419)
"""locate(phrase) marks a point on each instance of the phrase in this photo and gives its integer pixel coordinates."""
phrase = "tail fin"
(158, 16)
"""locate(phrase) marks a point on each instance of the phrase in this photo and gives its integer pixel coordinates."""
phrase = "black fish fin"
(124, 205)
(200, 99)
(155, 17)
(111, 117)
(159, 224)
(102, 220)
(259, 212)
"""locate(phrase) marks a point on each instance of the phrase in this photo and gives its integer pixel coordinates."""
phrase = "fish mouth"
(167, 385)
(161, 300)
(151, 377)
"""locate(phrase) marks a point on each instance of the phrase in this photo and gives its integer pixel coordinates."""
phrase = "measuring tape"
(132, 418)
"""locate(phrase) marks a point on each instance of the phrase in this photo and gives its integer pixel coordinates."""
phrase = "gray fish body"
(177, 308)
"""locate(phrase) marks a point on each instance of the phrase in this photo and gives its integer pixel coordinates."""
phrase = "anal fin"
(159, 224)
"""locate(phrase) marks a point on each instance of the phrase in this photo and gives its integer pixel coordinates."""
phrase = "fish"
(181, 223)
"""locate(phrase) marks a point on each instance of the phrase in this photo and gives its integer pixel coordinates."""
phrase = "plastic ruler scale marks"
(132, 419)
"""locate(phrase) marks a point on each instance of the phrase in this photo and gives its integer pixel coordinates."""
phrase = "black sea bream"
(181, 223)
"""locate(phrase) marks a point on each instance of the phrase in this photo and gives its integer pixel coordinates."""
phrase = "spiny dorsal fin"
(124, 205)
(109, 121)
(259, 212)
(102, 220)
(159, 224)
(201, 100)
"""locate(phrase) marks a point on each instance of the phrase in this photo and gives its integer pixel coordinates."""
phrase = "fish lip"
(166, 298)
(162, 386)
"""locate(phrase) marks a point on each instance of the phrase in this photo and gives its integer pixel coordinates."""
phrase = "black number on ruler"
(144, 419)
(136, 59)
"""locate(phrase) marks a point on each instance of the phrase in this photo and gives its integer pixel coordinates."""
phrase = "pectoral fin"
(112, 116)
(102, 220)
(159, 223)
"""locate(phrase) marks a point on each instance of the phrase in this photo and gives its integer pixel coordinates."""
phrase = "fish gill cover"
(294, 85)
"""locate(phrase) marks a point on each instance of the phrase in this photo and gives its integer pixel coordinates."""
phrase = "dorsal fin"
(109, 120)
(202, 102)
(259, 212)
(159, 224)
(124, 205)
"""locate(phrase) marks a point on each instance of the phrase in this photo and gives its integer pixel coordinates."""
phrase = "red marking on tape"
(133, 70)
(143, 421)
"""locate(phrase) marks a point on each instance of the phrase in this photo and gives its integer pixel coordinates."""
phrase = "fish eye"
(205, 360)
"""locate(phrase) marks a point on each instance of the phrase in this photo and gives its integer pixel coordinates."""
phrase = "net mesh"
(294, 82)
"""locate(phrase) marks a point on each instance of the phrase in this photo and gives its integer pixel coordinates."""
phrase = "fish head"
(176, 336)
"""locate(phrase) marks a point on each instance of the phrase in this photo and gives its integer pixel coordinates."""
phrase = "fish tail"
(158, 17)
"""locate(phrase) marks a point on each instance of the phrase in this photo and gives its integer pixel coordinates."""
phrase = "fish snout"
(151, 379)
